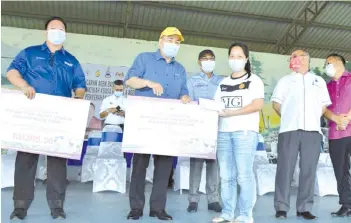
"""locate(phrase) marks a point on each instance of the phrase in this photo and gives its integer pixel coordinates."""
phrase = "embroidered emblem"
(68, 64)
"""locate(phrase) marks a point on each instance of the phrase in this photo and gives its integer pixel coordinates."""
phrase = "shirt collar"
(346, 74)
(205, 76)
(44, 46)
(158, 56)
(307, 74)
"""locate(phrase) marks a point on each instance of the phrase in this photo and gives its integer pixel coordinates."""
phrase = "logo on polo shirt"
(232, 88)
(68, 64)
(40, 58)
(200, 85)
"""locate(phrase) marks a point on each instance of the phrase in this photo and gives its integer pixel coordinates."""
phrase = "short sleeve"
(137, 69)
(103, 106)
(325, 97)
(79, 77)
(19, 63)
(190, 88)
(279, 92)
(257, 89)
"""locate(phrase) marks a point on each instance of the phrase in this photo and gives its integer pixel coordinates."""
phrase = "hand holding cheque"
(43, 125)
(171, 128)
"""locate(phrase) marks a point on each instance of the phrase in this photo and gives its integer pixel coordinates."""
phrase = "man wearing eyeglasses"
(300, 99)
(339, 116)
(46, 69)
(159, 75)
(204, 85)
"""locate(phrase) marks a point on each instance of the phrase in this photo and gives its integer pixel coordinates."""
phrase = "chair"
(265, 178)
(8, 160)
(110, 169)
(87, 172)
(182, 174)
(42, 168)
(325, 178)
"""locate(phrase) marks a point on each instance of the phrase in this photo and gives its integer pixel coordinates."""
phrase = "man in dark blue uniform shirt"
(47, 69)
(156, 74)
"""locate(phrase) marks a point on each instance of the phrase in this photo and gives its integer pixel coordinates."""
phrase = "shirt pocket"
(176, 77)
(38, 67)
(316, 93)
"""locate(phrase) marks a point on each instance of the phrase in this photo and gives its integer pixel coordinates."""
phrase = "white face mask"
(118, 93)
(237, 65)
(330, 70)
(170, 49)
(56, 36)
(208, 66)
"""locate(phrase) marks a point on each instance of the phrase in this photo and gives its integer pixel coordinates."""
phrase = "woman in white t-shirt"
(243, 96)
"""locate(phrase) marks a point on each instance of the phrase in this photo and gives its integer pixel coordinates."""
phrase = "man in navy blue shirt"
(47, 69)
(156, 74)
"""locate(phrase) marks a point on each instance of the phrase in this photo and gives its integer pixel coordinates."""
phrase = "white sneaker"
(220, 220)
(244, 219)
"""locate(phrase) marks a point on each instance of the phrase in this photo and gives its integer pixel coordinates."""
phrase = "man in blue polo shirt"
(156, 74)
(204, 85)
(46, 69)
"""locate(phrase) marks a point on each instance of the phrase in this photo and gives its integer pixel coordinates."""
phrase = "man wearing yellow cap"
(156, 74)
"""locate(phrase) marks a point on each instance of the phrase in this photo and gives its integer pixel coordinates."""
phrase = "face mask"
(56, 36)
(330, 70)
(118, 93)
(295, 64)
(237, 65)
(208, 66)
(170, 49)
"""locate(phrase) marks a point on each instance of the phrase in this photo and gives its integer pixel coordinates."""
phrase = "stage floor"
(83, 206)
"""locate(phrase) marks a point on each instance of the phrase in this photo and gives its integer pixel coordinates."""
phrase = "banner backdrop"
(99, 79)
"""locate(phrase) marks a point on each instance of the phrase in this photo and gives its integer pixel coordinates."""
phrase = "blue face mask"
(118, 93)
(170, 49)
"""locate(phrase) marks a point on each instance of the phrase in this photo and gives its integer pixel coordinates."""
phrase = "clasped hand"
(342, 121)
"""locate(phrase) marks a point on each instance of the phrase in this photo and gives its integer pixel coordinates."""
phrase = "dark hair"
(206, 52)
(118, 82)
(92, 104)
(245, 48)
(55, 18)
(338, 56)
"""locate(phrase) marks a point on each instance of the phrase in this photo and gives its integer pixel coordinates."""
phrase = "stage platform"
(83, 206)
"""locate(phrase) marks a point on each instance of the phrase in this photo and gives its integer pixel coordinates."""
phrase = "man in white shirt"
(300, 99)
(112, 108)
